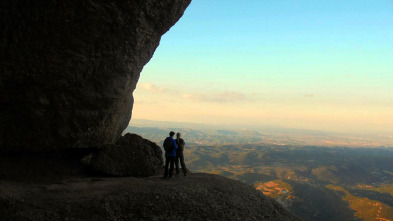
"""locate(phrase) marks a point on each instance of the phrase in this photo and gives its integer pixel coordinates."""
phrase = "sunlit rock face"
(68, 68)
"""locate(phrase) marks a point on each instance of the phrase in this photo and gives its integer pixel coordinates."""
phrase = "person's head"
(171, 134)
(178, 135)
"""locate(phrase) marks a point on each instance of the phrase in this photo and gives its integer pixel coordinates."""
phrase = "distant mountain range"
(223, 135)
(205, 137)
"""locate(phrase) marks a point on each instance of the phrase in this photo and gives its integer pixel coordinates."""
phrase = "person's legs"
(183, 165)
(177, 163)
(172, 162)
(167, 161)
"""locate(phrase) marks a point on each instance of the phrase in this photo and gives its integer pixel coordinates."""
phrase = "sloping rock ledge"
(195, 197)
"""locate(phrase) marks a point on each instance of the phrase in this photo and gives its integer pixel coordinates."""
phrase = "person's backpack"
(168, 145)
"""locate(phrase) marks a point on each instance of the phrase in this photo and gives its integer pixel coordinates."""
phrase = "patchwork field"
(315, 182)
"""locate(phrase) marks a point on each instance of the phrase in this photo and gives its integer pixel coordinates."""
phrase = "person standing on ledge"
(170, 148)
(179, 154)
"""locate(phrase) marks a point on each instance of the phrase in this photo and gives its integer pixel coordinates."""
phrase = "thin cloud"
(221, 97)
(151, 87)
(309, 95)
(224, 97)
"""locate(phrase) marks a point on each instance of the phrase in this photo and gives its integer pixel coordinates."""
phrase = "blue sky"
(324, 65)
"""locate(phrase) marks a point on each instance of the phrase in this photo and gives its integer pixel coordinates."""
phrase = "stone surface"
(68, 68)
(195, 197)
(132, 155)
(45, 166)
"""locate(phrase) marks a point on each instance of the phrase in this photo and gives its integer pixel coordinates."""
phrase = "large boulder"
(131, 156)
(68, 68)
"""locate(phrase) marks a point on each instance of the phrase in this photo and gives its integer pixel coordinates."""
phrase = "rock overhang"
(68, 68)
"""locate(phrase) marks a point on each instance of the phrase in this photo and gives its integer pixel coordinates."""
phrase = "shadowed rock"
(131, 156)
(68, 68)
(195, 197)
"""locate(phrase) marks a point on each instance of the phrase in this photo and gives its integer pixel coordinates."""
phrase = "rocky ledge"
(195, 197)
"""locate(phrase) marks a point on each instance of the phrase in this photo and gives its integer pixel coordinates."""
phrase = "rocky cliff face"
(68, 68)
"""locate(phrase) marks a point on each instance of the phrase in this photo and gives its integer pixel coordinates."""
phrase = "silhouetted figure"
(170, 148)
(179, 154)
